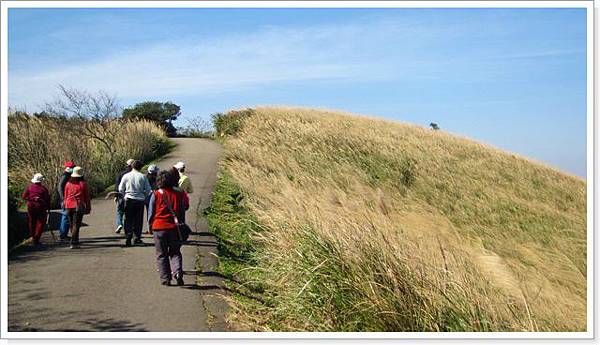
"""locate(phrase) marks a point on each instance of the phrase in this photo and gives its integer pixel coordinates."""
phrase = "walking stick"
(48, 226)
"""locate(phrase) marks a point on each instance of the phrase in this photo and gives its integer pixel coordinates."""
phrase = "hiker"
(151, 176)
(38, 204)
(64, 218)
(119, 198)
(166, 203)
(135, 188)
(185, 184)
(77, 203)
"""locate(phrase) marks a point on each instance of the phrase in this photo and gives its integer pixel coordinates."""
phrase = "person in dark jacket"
(64, 219)
(152, 175)
(77, 203)
(119, 198)
(38, 204)
(166, 203)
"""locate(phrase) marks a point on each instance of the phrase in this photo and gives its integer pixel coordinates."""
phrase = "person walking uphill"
(64, 219)
(38, 204)
(77, 203)
(185, 184)
(151, 176)
(134, 187)
(119, 198)
(166, 204)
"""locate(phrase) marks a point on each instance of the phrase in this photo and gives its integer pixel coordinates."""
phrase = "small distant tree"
(434, 126)
(196, 127)
(161, 113)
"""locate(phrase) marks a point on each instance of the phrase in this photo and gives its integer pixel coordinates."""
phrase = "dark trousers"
(134, 218)
(75, 219)
(37, 220)
(168, 254)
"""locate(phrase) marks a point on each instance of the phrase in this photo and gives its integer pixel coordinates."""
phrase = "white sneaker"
(118, 231)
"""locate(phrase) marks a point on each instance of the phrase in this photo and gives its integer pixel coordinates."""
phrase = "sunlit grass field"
(336, 222)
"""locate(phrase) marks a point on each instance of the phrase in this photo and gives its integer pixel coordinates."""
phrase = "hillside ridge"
(420, 222)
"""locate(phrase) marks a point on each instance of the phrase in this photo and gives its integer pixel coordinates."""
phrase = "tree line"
(91, 110)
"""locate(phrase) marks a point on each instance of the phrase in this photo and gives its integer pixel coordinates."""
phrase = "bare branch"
(96, 112)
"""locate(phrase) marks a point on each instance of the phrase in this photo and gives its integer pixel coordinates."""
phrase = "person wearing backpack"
(166, 205)
(77, 203)
(38, 204)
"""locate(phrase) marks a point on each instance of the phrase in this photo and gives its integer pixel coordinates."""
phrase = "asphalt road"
(106, 287)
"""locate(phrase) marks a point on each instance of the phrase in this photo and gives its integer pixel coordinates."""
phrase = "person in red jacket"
(166, 204)
(77, 203)
(38, 204)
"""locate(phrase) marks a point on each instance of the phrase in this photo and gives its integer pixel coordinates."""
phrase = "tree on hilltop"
(161, 113)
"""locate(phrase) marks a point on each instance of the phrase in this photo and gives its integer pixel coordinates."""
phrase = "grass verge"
(237, 232)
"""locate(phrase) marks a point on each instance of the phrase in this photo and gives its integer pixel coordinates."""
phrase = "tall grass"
(44, 144)
(371, 225)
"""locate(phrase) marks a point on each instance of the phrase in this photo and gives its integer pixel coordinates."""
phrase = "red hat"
(69, 164)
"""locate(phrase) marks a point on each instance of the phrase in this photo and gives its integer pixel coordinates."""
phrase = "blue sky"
(512, 78)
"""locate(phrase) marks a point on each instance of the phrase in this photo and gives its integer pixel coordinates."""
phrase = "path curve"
(106, 287)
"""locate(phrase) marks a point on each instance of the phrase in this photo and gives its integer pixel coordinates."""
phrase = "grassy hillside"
(331, 221)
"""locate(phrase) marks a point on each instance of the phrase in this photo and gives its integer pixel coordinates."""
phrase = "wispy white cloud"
(366, 51)
(204, 66)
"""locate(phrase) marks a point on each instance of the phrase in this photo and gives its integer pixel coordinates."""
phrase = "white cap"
(37, 178)
(130, 161)
(152, 169)
(179, 165)
(77, 172)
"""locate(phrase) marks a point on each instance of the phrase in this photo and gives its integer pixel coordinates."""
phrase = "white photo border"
(592, 130)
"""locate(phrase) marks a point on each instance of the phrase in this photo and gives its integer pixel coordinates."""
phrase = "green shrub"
(231, 122)
(235, 227)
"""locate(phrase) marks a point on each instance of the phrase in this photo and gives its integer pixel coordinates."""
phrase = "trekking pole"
(48, 226)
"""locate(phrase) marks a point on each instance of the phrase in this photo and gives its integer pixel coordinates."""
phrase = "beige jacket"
(185, 184)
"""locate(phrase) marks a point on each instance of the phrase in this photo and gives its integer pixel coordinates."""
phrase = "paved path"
(106, 287)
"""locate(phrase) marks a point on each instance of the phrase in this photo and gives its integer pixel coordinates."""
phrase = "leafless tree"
(87, 114)
(198, 124)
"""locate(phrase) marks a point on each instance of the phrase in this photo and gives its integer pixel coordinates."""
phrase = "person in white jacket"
(135, 188)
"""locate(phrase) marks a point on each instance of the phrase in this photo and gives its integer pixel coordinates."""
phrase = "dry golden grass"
(44, 144)
(376, 225)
